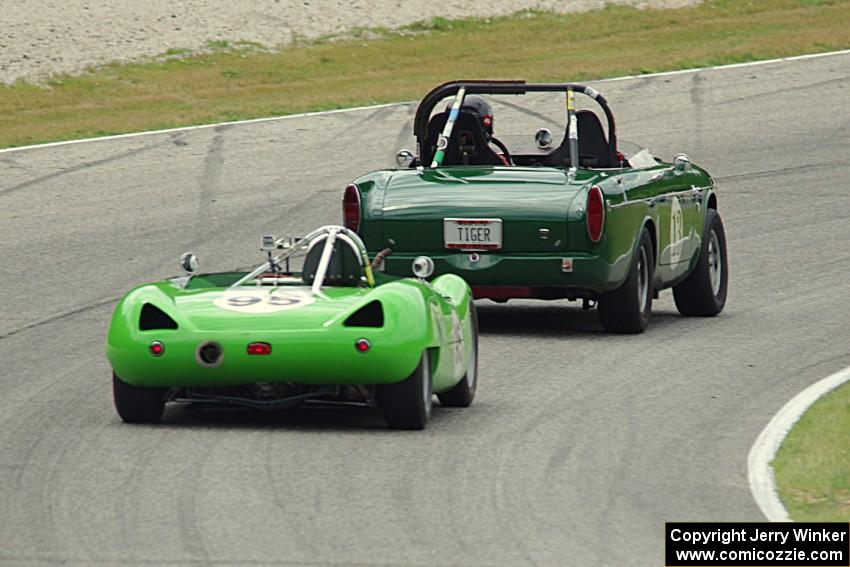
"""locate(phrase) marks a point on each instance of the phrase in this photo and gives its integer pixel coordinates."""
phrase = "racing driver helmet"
(482, 111)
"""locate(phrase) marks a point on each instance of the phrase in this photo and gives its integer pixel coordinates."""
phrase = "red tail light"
(259, 348)
(351, 207)
(595, 214)
(156, 348)
(362, 345)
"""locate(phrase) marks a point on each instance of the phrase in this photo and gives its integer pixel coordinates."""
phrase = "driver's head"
(482, 111)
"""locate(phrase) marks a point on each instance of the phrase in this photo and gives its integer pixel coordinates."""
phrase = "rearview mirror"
(404, 158)
(189, 262)
(681, 163)
(543, 139)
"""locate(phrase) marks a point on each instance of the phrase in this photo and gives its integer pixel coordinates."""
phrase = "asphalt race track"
(579, 446)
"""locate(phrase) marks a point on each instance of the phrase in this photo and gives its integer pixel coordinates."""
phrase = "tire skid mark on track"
(204, 231)
(528, 112)
(43, 504)
(210, 181)
(191, 533)
(835, 164)
(272, 481)
(786, 90)
(406, 130)
(505, 512)
(700, 87)
(60, 316)
(79, 167)
(128, 507)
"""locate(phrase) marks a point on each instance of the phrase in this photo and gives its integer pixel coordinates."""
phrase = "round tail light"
(362, 345)
(351, 208)
(156, 348)
(595, 214)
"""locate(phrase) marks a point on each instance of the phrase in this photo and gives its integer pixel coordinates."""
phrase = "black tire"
(627, 309)
(703, 292)
(463, 393)
(407, 404)
(136, 404)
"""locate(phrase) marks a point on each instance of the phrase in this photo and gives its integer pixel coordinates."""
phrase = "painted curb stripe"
(394, 104)
(763, 451)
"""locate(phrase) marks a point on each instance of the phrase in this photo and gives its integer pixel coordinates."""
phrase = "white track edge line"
(201, 127)
(763, 451)
(391, 104)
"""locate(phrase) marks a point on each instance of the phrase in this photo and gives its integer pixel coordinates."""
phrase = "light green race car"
(274, 337)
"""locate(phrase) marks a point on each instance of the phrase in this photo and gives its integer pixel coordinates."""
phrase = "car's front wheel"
(136, 404)
(703, 292)
(627, 309)
(407, 404)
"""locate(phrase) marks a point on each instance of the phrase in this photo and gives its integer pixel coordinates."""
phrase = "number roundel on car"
(676, 231)
(260, 301)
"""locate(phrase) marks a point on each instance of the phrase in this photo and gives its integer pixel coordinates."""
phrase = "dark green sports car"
(574, 218)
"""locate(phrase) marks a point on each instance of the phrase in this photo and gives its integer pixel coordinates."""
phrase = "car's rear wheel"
(463, 393)
(136, 404)
(703, 292)
(627, 309)
(407, 404)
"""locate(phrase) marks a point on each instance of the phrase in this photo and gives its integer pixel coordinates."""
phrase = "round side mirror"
(189, 262)
(404, 158)
(543, 139)
(423, 267)
(681, 163)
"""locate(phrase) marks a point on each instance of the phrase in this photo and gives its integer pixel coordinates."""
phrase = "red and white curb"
(763, 451)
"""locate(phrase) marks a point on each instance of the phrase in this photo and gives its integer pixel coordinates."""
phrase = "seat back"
(467, 144)
(593, 148)
(344, 269)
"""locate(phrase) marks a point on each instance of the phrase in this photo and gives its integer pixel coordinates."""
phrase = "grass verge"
(235, 81)
(813, 465)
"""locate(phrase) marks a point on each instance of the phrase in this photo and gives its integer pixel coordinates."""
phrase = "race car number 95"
(262, 301)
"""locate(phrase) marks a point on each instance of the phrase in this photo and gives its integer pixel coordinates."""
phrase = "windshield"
(331, 255)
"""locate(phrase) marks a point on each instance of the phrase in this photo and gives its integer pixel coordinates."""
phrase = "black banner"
(757, 544)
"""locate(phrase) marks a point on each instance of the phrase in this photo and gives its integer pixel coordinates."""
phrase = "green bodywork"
(403, 209)
(310, 344)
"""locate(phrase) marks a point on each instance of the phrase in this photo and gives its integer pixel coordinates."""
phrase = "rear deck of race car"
(413, 207)
(547, 241)
(342, 356)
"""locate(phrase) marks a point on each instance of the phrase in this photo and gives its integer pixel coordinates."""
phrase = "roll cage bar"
(290, 247)
(438, 93)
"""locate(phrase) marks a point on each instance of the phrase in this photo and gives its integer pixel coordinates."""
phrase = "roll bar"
(438, 93)
(333, 233)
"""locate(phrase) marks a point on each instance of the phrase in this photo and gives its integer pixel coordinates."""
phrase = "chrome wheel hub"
(643, 279)
(715, 263)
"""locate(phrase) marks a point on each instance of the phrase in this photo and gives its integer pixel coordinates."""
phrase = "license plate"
(472, 234)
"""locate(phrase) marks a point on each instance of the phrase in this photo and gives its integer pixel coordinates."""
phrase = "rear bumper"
(316, 357)
(583, 274)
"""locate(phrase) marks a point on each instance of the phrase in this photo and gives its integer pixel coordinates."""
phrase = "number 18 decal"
(676, 231)
(261, 301)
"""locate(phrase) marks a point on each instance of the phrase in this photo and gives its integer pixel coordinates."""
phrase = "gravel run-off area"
(39, 38)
